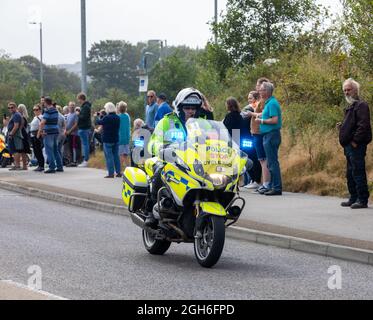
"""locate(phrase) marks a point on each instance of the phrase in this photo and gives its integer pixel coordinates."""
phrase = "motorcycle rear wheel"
(209, 247)
(153, 246)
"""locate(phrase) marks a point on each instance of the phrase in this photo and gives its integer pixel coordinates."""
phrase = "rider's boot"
(151, 221)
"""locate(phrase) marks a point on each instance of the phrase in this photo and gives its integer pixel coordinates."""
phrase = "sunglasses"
(36, 109)
(10, 108)
(189, 108)
(150, 96)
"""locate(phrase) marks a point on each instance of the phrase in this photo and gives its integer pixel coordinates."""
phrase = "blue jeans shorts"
(258, 143)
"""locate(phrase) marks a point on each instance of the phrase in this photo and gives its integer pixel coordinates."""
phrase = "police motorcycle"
(6, 158)
(199, 197)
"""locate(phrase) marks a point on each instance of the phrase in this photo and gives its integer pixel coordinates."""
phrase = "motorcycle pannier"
(135, 186)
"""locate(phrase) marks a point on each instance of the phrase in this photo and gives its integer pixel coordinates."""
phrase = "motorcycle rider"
(171, 129)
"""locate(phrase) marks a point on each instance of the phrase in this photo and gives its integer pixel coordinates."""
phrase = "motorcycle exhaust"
(137, 220)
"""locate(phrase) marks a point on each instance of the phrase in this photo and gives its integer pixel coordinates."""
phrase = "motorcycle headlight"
(198, 168)
(218, 180)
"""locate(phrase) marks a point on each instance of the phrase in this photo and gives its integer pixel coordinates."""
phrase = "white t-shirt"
(34, 125)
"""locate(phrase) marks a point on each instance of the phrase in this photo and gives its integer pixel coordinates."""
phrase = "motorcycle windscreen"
(215, 148)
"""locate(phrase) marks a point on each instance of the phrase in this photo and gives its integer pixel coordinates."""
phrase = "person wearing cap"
(163, 108)
(171, 129)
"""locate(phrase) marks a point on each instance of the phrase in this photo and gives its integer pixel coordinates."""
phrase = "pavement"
(88, 254)
(10, 290)
(301, 222)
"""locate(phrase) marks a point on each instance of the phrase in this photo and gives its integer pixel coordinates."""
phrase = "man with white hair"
(270, 127)
(354, 135)
(110, 138)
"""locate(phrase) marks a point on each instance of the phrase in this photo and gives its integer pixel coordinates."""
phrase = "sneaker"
(263, 190)
(60, 170)
(252, 185)
(273, 193)
(84, 164)
(71, 165)
(39, 169)
(119, 175)
(109, 177)
(50, 171)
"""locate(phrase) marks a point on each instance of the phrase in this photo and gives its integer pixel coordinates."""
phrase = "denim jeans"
(51, 149)
(356, 173)
(84, 137)
(60, 146)
(271, 143)
(111, 151)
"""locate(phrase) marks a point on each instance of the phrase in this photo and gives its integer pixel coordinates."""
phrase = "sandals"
(14, 168)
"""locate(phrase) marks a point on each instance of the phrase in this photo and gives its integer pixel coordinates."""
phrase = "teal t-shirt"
(271, 109)
(125, 129)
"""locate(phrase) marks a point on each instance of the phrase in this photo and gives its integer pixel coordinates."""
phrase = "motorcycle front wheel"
(209, 246)
(154, 246)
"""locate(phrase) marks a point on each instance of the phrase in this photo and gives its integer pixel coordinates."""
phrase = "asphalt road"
(85, 254)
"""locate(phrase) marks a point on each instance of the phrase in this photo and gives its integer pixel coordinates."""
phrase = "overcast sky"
(178, 21)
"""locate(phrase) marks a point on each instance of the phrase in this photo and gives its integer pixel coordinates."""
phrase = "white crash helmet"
(189, 97)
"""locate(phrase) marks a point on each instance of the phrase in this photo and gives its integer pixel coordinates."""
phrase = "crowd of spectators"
(66, 136)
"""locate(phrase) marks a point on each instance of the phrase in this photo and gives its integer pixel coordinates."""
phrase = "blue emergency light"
(177, 135)
(247, 144)
(138, 143)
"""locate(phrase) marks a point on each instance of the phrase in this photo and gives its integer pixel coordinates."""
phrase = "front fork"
(199, 218)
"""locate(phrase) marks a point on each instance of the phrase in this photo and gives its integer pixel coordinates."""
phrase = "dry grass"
(316, 164)
(312, 163)
(97, 160)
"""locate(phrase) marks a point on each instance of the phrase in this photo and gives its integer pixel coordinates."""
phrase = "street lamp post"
(216, 20)
(84, 46)
(163, 46)
(41, 58)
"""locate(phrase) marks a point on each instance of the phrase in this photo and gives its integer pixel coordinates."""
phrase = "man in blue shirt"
(151, 109)
(15, 135)
(49, 129)
(163, 108)
(270, 126)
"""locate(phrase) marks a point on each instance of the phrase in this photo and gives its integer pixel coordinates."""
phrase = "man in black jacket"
(84, 126)
(354, 136)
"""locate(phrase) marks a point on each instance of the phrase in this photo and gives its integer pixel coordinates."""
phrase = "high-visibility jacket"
(169, 130)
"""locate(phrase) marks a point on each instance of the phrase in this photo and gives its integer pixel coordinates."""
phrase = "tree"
(54, 78)
(113, 64)
(13, 77)
(260, 28)
(358, 19)
(174, 74)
